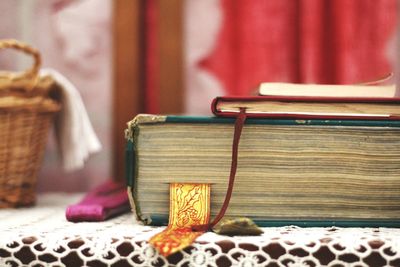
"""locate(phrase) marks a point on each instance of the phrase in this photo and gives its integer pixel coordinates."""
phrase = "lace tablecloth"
(41, 236)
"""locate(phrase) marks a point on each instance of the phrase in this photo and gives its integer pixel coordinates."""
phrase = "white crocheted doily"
(41, 236)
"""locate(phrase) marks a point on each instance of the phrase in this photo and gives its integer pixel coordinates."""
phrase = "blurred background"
(174, 56)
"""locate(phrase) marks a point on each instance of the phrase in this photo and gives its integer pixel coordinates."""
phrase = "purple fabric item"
(105, 201)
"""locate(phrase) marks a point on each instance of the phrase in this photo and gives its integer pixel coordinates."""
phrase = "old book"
(327, 90)
(305, 172)
(309, 107)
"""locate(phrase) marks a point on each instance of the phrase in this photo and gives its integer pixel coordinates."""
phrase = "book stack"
(303, 159)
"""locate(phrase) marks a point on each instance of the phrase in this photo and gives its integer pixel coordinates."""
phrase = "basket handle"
(31, 73)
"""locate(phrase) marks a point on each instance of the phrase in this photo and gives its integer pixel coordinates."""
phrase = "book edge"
(162, 220)
(264, 89)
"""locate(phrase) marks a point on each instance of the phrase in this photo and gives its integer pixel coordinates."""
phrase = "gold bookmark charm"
(189, 206)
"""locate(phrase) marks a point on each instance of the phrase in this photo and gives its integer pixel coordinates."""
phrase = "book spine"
(131, 174)
(129, 163)
(214, 106)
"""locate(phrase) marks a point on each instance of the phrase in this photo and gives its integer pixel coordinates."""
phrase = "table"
(40, 236)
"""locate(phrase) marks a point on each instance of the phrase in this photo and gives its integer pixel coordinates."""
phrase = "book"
(316, 172)
(309, 107)
(327, 90)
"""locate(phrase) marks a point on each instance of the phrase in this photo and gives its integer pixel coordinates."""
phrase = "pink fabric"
(105, 201)
(305, 41)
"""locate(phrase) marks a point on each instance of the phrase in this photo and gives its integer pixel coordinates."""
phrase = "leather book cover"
(358, 104)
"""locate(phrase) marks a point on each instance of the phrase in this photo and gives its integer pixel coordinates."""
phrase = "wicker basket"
(27, 106)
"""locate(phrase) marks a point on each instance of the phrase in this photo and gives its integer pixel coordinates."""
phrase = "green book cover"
(347, 155)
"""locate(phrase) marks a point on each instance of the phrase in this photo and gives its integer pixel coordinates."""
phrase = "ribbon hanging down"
(189, 206)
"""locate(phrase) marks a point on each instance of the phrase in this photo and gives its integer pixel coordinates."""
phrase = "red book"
(309, 107)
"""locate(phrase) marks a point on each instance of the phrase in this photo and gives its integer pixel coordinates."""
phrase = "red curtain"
(303, 41)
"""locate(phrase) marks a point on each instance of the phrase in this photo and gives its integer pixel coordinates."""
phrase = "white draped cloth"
(74, 132)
